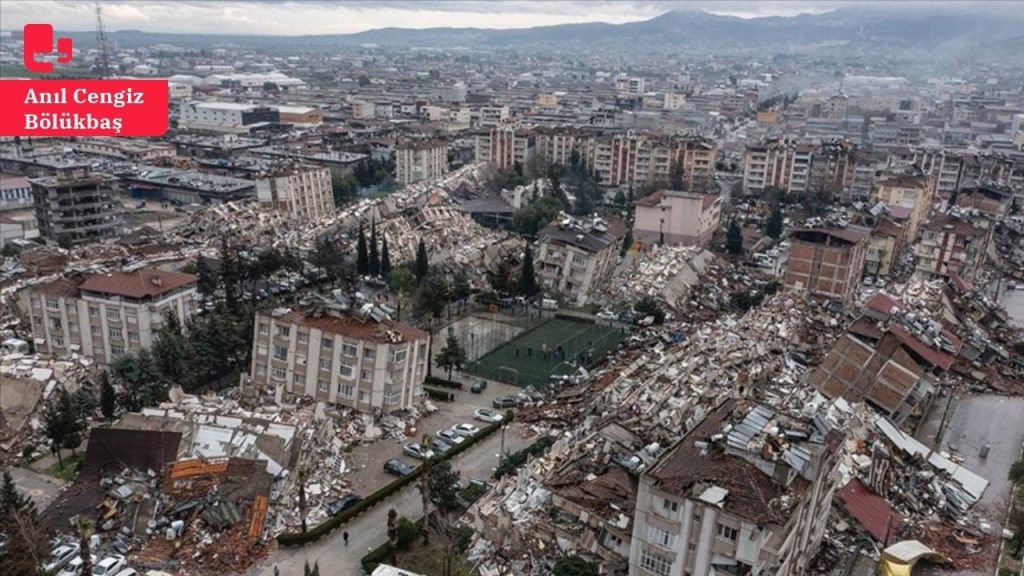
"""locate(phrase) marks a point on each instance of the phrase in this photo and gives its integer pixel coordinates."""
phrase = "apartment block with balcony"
(505, 146)
(826, 262)
(340, 358)
(911, 189)
(75, 205)
(674, 217)
(576, 255)
(304, 192)
(419, 161)
(953, 242)
(747, 491)
(104, 316)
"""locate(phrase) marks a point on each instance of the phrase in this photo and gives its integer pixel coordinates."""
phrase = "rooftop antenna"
(101, 39)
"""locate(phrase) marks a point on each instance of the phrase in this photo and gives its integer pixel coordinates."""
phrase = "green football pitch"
(550, 349)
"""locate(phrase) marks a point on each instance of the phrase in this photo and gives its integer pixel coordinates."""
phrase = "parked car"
(74, 567)
(478, 386)
(487, 415)
(440, 446)
(397, 467)
(465, 429)
(450, 436)
(127, 572)
(505, 402)
(109, 566)
(60, 557)
(341, 504)
(416, 451)
(607, 315)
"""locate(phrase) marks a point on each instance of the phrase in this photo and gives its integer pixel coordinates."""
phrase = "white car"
(465, 430)
(416, 451)
(451, 436)
(109, 566)
(487, 415)
(61, 555)
(127, 572)
(74, 568)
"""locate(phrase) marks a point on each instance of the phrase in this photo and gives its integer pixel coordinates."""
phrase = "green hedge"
(439, 395)
(383, 552)
(335, 522)
(513, 461)
(435, 381)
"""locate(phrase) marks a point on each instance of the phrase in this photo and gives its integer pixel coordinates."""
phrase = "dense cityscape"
(686, 294)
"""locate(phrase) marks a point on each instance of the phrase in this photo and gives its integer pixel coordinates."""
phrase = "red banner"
(83, 107)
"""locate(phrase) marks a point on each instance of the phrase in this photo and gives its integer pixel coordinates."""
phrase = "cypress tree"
(385, 259)
(422, 264)
(362, 260)
(374, 255)
(527, 285)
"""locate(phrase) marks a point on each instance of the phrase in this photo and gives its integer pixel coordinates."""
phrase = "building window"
(322, 386)
(116, 351)
(727, 532)
(346, 390)
(399, 355)
(350, 350)
(97, 330)
(55, 324)
(367, 375)
(57, 341)
(364, 397)
(670, 506)
(369, 354)
(346, 370)
(655, 564)
(660, 537)
(281, 353)
(115, 333)
(264, 329)
(261, 370)
(94, 311)
(114, 313)
(133, 337)
(52, 303)
(327, 343)
(392, 398)
(325, 364)
(613, 540)
(278, 373)
(298, 379)
(284, 331)
(303, 337)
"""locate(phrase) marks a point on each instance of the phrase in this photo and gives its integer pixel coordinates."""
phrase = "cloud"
(295, 17)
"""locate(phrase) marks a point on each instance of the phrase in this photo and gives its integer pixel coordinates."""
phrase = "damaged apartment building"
(106, 315)
(359, 359)
(577, 255)
(746, 492)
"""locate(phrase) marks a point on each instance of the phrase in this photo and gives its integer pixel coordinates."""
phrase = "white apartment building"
(105, 316)
(340, 358)
(747, 491)
(504, 146)
(423, 160)
(224, 116)
(576, 255)
(304, 192)
(777, 164)
(15, 192)
(675, 217)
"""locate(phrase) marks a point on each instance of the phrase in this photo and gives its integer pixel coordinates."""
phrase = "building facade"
(419, 161)
(15, 192)
(505, 146)
(733, 497)
(75, 205)
(105, 316)
(304, 192)
(827, 262)
(674, 217)
(951, 242)
(577, 255)
(341, 359)
(912, 190)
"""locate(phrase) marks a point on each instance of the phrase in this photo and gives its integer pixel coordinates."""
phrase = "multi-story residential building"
(885, 245)
(302, 191)
(747, 491)
(75, 205)
(422, 160)
(555, 145)
(992, 200)
(909, 189)
(104, 316)
(633, 159)
(675, 217)
(576, 255)
(631, 86)
(15, 192)
(505, 146)
(827, 262)
(953, 242)
(779, 164)
(342, 358)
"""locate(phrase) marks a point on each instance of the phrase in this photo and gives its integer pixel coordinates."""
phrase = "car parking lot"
(368, 460)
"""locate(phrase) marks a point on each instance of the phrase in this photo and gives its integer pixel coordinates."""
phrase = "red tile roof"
(871, 510)
(138, 284)
(933, 356)
(884, 303)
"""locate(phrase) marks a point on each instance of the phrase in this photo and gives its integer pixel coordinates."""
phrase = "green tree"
(108, 399)
(208, 280)
(573, 566)
(140, 381)
(27, 535)
(734, 238)
(374, 255)
(533, 218)
(773, 227)
(452, 356)
(85, 531)
(63, 425)
(422, 263)
(425, 443)
(329, 260)
(442, 485)
(172, 353)
(627, 242)
(527, 283)
(1016, 474)
(393, 534)
(385, 258)
(648, 306)
(362, 256)
(432, 296)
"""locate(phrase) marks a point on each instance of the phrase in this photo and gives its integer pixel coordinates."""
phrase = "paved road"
(369, 530)
(42, 489)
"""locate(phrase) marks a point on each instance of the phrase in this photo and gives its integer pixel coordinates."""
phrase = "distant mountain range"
(918, 33)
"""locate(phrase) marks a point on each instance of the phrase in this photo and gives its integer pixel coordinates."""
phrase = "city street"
(369, 530)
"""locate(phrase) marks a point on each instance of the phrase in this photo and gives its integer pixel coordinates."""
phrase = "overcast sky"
(291, 17)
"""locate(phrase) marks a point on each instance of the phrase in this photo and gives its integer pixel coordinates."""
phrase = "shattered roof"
(368, 330)
(884, 374)
(592, 241)
(118, 448)
(138, 284)
(871, 510)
